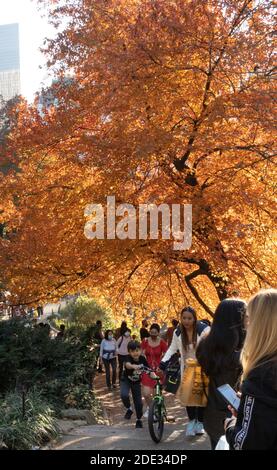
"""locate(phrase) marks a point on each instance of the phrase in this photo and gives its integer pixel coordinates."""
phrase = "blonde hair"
(261, 338)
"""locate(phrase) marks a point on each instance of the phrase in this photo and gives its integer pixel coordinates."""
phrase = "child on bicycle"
(131, 381)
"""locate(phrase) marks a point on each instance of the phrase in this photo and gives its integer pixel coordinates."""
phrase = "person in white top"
(108, 353)
(122, 351)
(185, 339)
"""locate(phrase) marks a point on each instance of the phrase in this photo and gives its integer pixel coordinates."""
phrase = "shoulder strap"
(200, 327)
(178, 331)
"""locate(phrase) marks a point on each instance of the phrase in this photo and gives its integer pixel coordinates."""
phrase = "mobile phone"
(229, 395)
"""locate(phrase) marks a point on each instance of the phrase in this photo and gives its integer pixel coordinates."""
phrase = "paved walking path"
(121, 434)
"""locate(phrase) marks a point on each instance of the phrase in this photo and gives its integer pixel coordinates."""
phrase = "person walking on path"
(131, 381)
(219, 356)
(153, 349)
(98, 337)
(185, 339)
(144, 333)
(61, 332)
(122, 350)
(108, 352)
(255, 427)
(170, 331)
(121, 330)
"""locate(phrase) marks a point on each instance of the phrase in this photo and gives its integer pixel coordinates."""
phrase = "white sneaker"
(146, 413)
(199, 428)
(190, 431)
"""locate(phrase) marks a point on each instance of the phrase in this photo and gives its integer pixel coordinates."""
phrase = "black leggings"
(195, 412)
(213, 443)
(107, 364)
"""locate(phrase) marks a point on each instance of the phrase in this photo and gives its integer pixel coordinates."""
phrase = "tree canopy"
(167, 102)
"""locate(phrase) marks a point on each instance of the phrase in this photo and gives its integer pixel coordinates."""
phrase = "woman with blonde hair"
(255, 426)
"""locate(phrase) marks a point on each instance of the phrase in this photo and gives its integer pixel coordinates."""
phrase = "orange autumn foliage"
(167, 102)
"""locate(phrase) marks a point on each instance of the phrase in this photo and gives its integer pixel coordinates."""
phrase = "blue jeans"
(135, 387)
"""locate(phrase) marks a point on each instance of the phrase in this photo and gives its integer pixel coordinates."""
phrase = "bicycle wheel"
(156, 421)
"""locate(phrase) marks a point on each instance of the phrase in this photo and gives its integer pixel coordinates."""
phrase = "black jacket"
(256, 425)
(230, 375)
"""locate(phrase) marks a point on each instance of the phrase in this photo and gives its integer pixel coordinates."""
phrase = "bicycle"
(157, 410)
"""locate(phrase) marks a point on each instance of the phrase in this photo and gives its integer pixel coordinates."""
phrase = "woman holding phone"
(256, 424)
(219, 355)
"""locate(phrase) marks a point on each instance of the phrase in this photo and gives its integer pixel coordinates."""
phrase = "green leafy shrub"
(29, 357)
(57, 374)
(81, 397)
(83, 311)
(34, 428)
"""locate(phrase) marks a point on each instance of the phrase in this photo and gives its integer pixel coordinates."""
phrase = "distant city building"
(9, 61)
(47, 99)
(48, 96)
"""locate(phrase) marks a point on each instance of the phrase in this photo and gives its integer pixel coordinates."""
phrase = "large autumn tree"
(168, 102)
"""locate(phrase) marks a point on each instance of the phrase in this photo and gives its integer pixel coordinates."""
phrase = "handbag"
(194, 385)
(222, 444)
(173, 375)
(173, 383)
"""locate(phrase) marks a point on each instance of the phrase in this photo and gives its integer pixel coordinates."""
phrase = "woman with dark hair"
(153, 349)
(98, 335)
(108, 352)
(121, 330)
(144, 333)
(122, 349)
(219, 356)
(170, 331)
(185, 339)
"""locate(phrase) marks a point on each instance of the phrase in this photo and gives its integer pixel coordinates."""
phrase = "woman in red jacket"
(153, 348)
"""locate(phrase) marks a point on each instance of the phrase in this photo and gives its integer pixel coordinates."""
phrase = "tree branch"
(188, 279)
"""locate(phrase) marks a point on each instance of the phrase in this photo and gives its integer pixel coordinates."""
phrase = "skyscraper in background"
(9, 61)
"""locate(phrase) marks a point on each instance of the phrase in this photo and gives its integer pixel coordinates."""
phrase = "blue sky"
(32, 31)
